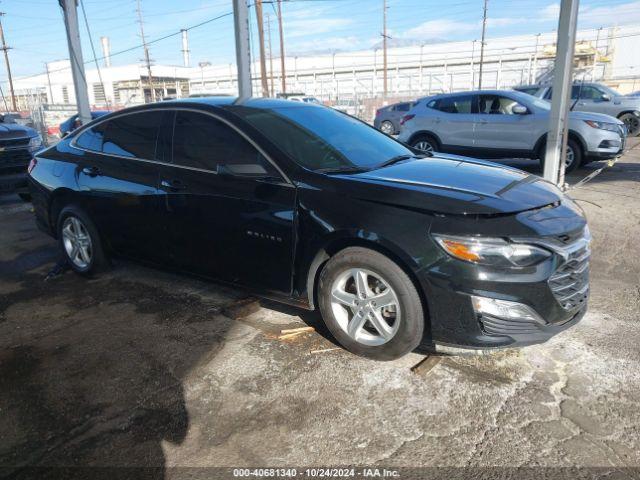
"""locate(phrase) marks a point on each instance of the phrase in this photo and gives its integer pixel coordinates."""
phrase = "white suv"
(506, 124)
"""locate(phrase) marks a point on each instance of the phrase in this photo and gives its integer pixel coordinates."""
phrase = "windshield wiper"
(399, 158)
(343, 169)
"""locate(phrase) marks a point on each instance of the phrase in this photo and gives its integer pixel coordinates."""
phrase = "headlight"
(612, 127)
(35, 142)
(495, 252)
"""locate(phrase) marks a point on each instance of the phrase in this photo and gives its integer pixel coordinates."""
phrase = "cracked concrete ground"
(143, 368)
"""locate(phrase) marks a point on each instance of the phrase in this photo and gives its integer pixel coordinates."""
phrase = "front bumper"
(555, 290)
(604, 144)
(14, 183)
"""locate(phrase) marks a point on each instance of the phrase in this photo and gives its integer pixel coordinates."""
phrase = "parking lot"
(145, 368)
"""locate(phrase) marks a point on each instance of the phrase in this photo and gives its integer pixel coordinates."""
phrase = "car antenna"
(575, 102)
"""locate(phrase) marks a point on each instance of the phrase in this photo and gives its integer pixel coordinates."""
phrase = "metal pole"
(595, 56)
(473, 53)
(243, 53)
(185, 47)
(484, 29)
(281, 34)
(535, 61)
(562, 73)
(77, 62)
(273, 92)
(6, 59)
(46, 66)
(263, 61)
(384, 49)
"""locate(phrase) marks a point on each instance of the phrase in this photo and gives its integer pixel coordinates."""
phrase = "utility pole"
(273, 92)
(243, 53)
(147, 60)
(6, 59)
(555, 152)
(280, 32)
(384, 50)
(46, 66)
(484, 29)
(263, 61)
(77, 62)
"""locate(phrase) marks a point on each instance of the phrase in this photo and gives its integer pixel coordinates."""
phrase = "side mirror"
(606, 97)
(242, 170)
(519, 110)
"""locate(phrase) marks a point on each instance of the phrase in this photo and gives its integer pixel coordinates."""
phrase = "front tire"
(80, 242)
(574, 157)
(387, 127)
(632, 123)
(370, 305)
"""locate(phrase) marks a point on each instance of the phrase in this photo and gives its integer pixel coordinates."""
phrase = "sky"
(34, 29)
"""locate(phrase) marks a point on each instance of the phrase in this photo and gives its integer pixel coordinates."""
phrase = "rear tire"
(370, 304)
(425, 143)
(80, 242)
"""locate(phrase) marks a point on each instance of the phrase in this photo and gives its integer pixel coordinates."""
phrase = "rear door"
(499, 132)
(229, 214)
(118, 178)
(590, 100)
(455, 122)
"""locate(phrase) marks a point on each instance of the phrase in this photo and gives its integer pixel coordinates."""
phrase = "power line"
(146, 52)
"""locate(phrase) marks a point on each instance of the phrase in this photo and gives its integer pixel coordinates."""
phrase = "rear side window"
(403, 107)
(133, 135)
(92, 138)
(457, 104)
(201, 141)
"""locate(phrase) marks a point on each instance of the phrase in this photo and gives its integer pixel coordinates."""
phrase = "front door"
(230, 215)
(118, 177)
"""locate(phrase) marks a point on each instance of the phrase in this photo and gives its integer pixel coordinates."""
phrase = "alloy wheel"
(569, 158)
(424, 146)
(77, 242)
(387, 127)
(365, 306)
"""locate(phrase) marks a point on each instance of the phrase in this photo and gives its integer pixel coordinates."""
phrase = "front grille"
(570, 282)
(12, 159)
(14, 142)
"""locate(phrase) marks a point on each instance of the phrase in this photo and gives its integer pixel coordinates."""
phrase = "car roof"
(262, 103)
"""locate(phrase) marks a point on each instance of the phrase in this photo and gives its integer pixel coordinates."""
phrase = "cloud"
(313, 26)
(622, 14)
(439, 29)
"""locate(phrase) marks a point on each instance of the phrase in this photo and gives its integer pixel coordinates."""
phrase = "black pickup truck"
(17, 146)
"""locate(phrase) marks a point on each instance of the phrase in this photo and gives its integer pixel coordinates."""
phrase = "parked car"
(506, 124)
(73, 122)
(315, 208)
(17, 145)
(304, 99)
(388, 118)
(596, 98)
(348, 106)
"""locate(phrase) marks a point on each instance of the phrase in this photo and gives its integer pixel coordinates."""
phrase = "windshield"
(609, 90)
(324, 139)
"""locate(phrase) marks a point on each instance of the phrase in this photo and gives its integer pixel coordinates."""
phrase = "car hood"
(455, 185)
(15, 130)
(597, 117)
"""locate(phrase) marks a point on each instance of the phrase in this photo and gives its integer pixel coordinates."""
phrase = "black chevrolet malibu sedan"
(309, 206)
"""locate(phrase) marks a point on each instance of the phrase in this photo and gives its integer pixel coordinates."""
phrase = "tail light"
(32, 165)
(378, 112)
(406, 118)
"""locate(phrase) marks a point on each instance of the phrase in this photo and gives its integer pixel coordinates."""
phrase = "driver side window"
(496, 105)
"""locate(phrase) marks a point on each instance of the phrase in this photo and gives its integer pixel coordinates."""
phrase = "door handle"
(173, 185)
(91, 171)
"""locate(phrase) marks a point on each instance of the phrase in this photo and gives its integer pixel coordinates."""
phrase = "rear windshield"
(321, 138)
